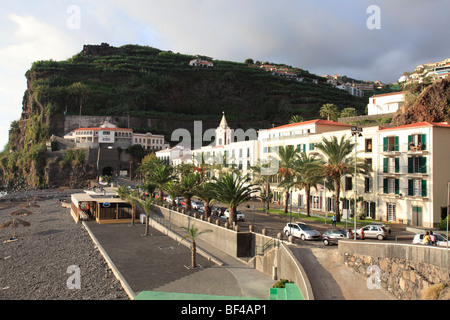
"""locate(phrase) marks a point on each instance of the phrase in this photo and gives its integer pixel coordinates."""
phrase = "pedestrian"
(426, 238)
(362, 234)
(333, 221)
(349, 234)
(432, 239)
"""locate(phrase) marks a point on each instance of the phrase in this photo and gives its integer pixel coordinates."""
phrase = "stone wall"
(403, 270)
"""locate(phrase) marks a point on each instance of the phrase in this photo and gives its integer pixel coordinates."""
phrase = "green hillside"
(143, 81)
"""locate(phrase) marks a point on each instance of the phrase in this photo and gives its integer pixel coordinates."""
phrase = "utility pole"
(356, 132)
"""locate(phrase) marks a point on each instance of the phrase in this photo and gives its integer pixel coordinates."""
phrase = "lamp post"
(356, 132)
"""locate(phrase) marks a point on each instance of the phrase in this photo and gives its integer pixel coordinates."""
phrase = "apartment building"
(385, 103)
(149, 141)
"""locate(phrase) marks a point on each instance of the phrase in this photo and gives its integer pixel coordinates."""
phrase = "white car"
(441, 241)
(197, 205)
(301, 230)
(240, 215)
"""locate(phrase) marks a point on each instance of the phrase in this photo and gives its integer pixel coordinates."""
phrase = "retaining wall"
(403, 270)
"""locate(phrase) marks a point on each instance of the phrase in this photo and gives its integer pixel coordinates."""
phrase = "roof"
(317, 121)
(420, 124)
(103, 129)
(389, 94)
(223, 122)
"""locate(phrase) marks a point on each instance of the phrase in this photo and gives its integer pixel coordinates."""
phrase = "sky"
(362, 39)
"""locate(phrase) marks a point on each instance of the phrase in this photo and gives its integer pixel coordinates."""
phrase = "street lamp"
(356, 132)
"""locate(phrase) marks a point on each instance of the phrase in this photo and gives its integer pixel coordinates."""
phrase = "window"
(417, 165)
(348, 183)
(368, 145)
(391, 211)
(417, 142)
(390, 144)
(417, 187)
(368, 161)
(391, 186)
(368, 185)
(391, 165)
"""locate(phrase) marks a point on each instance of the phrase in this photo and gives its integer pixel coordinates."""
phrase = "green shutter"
(396, 147)
(385, 146)
(410, 164)
(423, 165)
(385, 165)
(424, 140)
(385, 186)
(397, 186)
(397, 165)
(409, 142)
(424, 188)
(410, 187)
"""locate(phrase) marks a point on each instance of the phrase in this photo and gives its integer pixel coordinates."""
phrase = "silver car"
(373, 231)
(301, 230)
(441, 241)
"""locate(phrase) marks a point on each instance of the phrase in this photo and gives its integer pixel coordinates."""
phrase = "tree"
(173, 190)
(296, 119)
(348, 112)
(133, 198)
(233, 190)
(207, 194)
(340, 162)
(307, 175)
(263, 174)
(287, 155)
(147, 205)
(187, 187)
(330, 111)
(192, 234)
(159, 176)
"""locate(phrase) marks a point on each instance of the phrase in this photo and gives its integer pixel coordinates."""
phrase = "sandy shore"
(45, 260)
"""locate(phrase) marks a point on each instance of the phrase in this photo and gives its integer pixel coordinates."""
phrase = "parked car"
(381, 224)
(441, 241)
(301, 230)
(373, 231)
(240, 215)
(197, 205)
(332, 236)
(218, 211)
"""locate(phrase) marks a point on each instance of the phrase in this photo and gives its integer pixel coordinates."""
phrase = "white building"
(149, 141)
(107, 134)
(175, 156)
(353, 90)
(385, 103)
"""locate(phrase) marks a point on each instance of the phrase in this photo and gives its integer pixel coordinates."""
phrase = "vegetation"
(192, 233)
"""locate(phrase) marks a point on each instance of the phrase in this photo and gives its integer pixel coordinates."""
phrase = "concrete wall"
(403, 270)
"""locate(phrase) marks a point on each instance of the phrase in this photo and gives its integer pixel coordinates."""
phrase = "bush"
(443, 224)
(281, 283)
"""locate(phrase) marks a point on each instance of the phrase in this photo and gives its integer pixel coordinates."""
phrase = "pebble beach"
(53, 258)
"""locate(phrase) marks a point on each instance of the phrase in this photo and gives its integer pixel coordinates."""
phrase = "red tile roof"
(420, 124)
(389, 94)
(317, 121)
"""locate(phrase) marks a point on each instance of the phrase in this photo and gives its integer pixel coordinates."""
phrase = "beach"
(53, 258)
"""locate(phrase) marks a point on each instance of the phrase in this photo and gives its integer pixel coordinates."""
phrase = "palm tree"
(159, 176)
(193, 233)
(133, 198)
(348, 112)
(307, 176)
(262, 176)
(202, 167)
(187, 187)
(340, 162)
(296, 119)
(147, 205)
(173, 190)
(206, 193)
(330, 111)
(288, 155)
(233, 190)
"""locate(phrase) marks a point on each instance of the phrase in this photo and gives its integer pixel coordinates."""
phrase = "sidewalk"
(157, 263)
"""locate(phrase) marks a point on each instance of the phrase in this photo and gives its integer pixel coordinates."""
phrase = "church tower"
(223, 133)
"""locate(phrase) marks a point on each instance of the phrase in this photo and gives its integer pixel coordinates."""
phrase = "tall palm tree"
(307, 175)
(207, 194)
(159, 176)
(262, 176)
(233, 190)
(187, 187)
(147, 205)
(330, 111)
(173, 190)
(201, 166)
(287, 156)
(338, 153)
(296, 119)
(192, 234)
(133, 198)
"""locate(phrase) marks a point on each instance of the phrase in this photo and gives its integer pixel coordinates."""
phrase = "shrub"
(281, 283)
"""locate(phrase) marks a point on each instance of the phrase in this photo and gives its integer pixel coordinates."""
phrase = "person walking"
(362, 234)
(333, 221)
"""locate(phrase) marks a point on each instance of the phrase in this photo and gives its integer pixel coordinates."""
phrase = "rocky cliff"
(432, 104)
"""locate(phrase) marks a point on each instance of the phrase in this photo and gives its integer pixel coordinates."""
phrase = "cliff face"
(433, 104)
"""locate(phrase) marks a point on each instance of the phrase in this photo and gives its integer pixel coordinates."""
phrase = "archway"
(107, 171)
